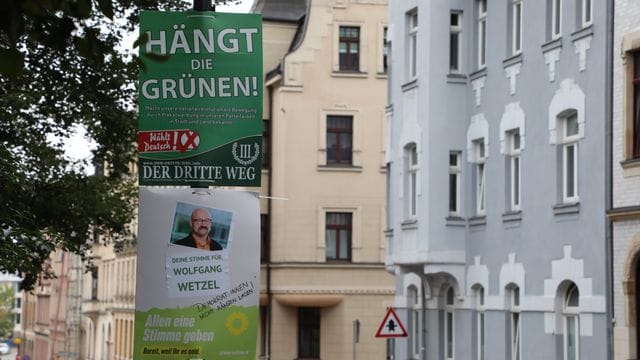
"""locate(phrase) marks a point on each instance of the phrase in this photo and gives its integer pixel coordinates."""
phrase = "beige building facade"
(108, 304)
(625, 214)
(85, 312)
(51, 327)
(323, 276)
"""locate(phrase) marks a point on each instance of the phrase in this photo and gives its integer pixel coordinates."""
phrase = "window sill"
(478, 74)
(630, 167)
(349, 74)
(409, 224)
(566, 209)
(515, 59)
(340, 168)
(512, 216)
(410, 85)
(338, 261)
(479, 220)
(456, 78)
(455, 221)
(552, 45)
(630, 163)
(382, 75)
(582, 33)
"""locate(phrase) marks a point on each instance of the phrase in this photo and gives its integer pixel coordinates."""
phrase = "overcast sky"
(243, 7)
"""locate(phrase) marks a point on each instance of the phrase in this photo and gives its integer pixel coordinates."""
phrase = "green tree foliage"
(62, 65)
(6, 305)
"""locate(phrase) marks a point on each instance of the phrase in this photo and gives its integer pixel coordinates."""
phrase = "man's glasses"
(201, 221)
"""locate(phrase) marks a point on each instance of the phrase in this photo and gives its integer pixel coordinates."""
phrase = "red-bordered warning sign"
(391, 326)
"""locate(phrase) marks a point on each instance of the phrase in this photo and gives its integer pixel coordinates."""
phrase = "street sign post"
(391, 326)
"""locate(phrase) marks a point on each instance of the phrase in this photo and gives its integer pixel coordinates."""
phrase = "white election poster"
(198, 269)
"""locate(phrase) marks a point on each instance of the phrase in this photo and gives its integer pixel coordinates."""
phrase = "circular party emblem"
(237, 323)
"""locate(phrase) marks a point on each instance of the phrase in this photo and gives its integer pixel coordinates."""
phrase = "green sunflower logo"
(237, 323)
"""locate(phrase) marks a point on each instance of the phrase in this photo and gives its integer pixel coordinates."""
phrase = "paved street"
(10, 356)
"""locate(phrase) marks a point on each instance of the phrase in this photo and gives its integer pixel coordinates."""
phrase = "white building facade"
(497, 187)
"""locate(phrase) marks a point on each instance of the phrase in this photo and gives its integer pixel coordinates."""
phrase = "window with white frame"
(514, 169)
(555, 15)
(414, 318)
(515, 322)
(482, 32)
(412, 43)
(454, 182)
(480, 176)
(516, 27)
(449, 325)
(585, 12)
(480, 323)
(455, 30)
(411, 180)
(569, 154)
(571, 317)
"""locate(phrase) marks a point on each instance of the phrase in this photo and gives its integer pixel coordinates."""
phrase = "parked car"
(4, 349)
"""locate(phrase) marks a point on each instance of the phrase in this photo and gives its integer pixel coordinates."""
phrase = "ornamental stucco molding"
(512, 73)
(513, 118)
(582, 45)
(551, 58)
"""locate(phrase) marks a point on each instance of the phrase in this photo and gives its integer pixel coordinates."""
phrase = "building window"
(636, 106)
(414, 314)
(94, 283)
(455, 30)
(513, 167)
(515, 323)
(411, 180)
(264, 237)
(570, 136)
(585, 12)
(385, 50)
(482, 33)
(556, 18)
(516, 27)
(449, 325)
(454, 183)
(412, 43)
(338, 236)
(308, 333)
(349, 48)
(480, 323)
(339, 140)
(571, 323)
(480, 183)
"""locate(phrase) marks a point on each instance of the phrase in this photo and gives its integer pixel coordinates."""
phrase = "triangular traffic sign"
(391, 326)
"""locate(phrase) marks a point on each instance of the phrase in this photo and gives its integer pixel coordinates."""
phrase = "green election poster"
(200, 99)
(197, 288)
